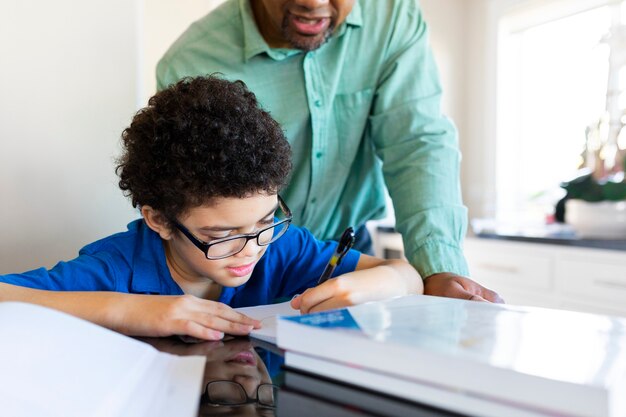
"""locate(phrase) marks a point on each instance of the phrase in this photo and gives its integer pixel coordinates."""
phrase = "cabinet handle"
(610, 284)
(499, 268)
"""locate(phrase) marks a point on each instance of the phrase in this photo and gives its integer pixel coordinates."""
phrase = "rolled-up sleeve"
(419, 149)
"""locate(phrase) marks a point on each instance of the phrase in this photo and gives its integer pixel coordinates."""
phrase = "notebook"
(268, 315)
(56, 365)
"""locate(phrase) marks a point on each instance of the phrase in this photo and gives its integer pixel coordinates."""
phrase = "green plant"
(588, 188)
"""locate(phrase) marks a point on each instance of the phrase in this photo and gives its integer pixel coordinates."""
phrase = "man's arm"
(421, 161)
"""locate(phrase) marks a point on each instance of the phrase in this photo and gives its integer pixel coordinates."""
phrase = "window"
(553, 67)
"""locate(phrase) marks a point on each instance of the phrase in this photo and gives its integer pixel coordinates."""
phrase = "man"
(355, 87)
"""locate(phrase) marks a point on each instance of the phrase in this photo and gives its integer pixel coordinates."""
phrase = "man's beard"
(306, 43)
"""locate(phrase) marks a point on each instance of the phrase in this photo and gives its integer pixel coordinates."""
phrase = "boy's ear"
(157, 222)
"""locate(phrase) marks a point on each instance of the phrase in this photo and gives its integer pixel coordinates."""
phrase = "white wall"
(478, 139)
(164, 21)
(68, 86)
(448, 30)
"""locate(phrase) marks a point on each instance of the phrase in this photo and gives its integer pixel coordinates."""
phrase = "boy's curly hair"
(200, 139)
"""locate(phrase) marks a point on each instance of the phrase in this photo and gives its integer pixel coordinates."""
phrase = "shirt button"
(318, 103)
(319, 155)
(313, 200)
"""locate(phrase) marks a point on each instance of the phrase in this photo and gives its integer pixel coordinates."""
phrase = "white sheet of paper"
(53, 364)
(267, 315)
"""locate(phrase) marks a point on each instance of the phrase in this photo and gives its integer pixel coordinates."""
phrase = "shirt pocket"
(351, 112)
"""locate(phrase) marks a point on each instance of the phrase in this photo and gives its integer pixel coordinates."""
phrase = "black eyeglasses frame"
(206, 398)
(205, 246)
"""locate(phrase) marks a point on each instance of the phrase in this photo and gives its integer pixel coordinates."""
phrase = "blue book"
(492, 360)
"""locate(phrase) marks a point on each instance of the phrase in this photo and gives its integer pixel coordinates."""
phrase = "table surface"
(546, 235)
(250, 363)
(615, 245)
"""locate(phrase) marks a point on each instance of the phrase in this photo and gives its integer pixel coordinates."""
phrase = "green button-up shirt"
(360, 112)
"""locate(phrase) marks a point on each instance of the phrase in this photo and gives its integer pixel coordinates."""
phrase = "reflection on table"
(237, 381)
(244, 377)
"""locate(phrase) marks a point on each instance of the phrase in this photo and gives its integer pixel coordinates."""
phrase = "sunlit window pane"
(552, 86)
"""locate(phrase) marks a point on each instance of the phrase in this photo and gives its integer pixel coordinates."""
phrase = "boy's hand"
(141, 315)
(356, 287)
(157, 315)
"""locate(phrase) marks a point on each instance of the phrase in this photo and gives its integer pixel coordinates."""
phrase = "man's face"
(300, 24)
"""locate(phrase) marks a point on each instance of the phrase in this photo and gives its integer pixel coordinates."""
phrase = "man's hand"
(455, 286)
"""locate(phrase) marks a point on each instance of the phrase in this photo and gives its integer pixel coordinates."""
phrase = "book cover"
(546, 362)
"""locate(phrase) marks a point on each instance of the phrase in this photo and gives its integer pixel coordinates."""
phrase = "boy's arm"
(373, 279)
(138, 314)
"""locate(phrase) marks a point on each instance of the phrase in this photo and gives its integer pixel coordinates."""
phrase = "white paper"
(267, 314)
(53, 364)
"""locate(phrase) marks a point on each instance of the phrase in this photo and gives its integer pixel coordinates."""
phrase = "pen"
(345, 243)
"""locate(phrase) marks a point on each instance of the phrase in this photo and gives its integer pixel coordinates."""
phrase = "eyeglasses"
(231, 393)
(232, 245)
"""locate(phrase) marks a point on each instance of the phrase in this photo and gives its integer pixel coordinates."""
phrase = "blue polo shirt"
(134, 262)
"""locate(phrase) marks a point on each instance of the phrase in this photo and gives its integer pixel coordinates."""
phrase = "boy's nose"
(251, 249)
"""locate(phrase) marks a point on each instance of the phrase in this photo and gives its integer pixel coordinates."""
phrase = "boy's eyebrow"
(226, 228)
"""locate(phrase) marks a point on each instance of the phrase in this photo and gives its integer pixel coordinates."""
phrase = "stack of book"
(474, 358)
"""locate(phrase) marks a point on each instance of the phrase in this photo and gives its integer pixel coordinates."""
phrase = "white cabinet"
(573, 278)
(539, 274)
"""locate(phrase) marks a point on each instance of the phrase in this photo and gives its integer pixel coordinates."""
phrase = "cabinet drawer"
(520, 270)
(603, 280)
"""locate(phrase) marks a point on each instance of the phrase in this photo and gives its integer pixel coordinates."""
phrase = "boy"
(204, 165)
